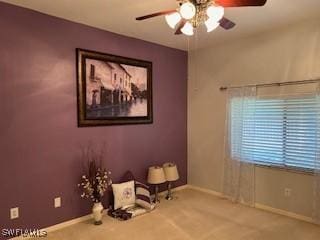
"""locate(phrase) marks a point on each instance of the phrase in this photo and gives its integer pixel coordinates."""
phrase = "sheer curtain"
(239, 173)
(316, 185)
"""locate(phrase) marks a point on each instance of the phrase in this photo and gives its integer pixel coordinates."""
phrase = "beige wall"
(287, 54)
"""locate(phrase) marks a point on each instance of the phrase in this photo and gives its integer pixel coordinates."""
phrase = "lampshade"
(187, 10)
(211, 24)
(187, 29)
(172, 19)
(156, 175)
(215, 12)
(171, 172)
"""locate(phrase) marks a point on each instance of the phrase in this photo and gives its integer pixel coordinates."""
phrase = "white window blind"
(281, 132)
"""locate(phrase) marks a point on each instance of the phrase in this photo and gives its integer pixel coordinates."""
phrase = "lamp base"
(156, 197)
(169, 195)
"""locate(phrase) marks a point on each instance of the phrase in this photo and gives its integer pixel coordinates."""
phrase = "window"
(278, 132)
(92, 71)
(115, 77)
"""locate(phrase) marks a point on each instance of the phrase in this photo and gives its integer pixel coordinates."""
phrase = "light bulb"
(211, 24)
(187, 10)
(187, 29)
(173, 19)
(215, 12)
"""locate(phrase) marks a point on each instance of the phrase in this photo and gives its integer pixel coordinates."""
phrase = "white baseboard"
(182, 187)
(284, 212)
(205, 190)
(68, 223)
(208, 191)
(83, 218)
(259, 206)
(59, 226)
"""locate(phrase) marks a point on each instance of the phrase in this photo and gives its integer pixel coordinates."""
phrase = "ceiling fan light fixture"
(187, 29)
(173, 19)
(211, 24)
(187, 10)
(215, 12)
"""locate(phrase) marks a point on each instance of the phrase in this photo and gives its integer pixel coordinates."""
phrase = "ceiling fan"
(192, 13)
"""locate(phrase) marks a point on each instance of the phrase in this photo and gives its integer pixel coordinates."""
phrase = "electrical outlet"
(14, 213)
(57, 202)
(287, 192)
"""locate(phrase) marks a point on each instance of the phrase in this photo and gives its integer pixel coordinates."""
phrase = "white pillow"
(124, 194)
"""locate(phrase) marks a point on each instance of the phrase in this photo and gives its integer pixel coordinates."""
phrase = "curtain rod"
(274, 84)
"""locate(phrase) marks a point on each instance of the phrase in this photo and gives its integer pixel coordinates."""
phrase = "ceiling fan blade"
(240, 3)
(226, 23)
(181, 25)
(155, 14)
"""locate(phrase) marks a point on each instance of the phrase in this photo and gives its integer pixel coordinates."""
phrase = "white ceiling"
(119, 16)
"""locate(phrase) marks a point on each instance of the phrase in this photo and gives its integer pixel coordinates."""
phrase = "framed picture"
(112, 89)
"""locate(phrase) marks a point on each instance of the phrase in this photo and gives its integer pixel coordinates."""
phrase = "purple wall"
(40, 141)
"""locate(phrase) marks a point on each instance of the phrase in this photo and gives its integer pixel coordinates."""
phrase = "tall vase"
(97, 211)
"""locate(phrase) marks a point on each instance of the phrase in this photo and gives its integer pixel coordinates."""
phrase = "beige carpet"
(195, 215)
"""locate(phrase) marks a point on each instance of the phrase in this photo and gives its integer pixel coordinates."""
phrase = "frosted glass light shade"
(211, 24)
(156, 175)
(215, 12)
(173, 19)
(187, 29)
(187, 10)
(171, 172)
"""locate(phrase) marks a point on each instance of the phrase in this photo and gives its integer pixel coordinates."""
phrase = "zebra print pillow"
(143, 197)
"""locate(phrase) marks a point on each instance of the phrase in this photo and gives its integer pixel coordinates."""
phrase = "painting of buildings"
(115, 90)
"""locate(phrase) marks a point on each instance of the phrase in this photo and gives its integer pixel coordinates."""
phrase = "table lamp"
(156, 177)
(171, 175)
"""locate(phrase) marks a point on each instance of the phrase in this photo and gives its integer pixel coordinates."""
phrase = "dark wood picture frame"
(118, 97)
